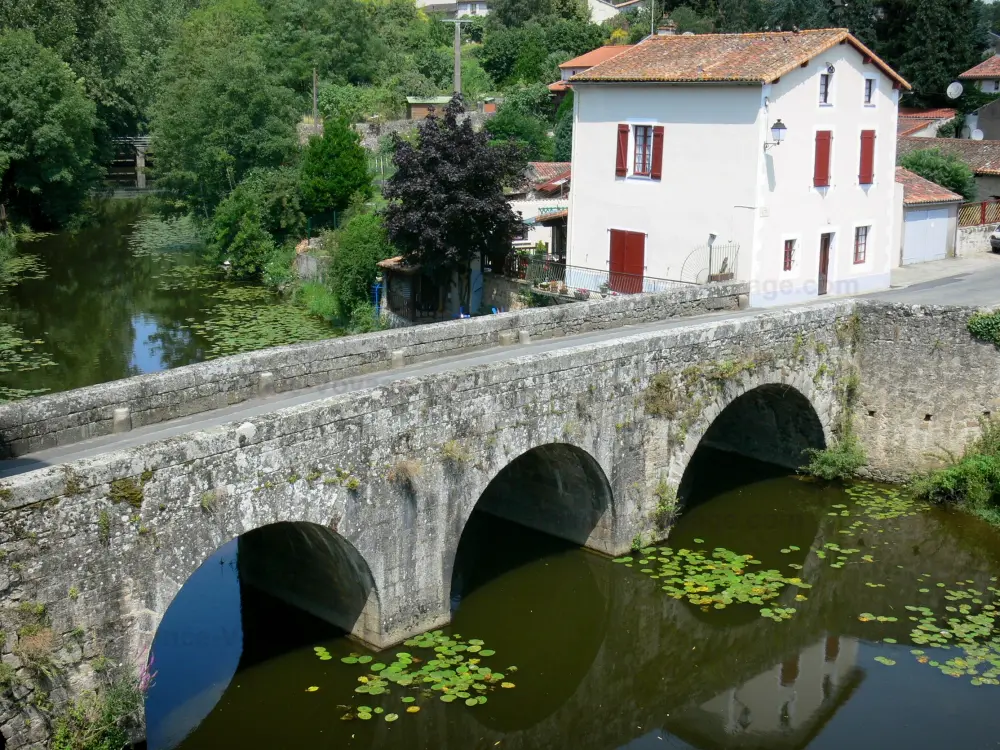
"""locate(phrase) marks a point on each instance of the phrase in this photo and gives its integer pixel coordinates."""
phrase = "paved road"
(978, 284)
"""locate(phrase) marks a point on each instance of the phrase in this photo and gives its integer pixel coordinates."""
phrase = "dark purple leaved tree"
(446, 199)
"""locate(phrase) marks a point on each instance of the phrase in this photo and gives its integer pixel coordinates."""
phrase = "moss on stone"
(126, 490)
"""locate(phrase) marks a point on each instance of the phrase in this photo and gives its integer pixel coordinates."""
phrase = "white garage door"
(925, 235)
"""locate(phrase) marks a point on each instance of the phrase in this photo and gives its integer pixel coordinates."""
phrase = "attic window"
(824, 88)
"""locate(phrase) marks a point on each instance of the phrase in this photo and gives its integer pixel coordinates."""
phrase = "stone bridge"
(93, 549)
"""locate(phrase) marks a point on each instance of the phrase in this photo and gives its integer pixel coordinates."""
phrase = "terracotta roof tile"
(917, 190)
(559, 87)
(760, 57)
(552, 216)
(910, 125)
(941, 113)
(986, 69)
(596, 56)
(541, 172)
(982, 156)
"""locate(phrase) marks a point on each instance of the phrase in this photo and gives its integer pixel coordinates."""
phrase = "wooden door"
(824, 261)
(628, 260)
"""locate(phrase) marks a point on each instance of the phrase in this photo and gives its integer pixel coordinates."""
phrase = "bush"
(972, 482)
(318, 300)
(334, 170)
(100, 720)
(944, 169)
(355, 251)
(841, 461)
(527, 131)
(986, 326)
(262, 213)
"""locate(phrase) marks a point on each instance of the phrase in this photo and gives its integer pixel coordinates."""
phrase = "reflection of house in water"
(785, 707)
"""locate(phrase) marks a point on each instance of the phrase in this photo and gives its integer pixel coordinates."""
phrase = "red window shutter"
(821, 172)
(621, 161)
(867, 174)
(657, 171)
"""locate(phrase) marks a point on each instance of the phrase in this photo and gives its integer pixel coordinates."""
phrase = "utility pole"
(315, 102)
(458, 50)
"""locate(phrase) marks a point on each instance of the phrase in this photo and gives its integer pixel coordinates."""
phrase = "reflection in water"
(607, 661)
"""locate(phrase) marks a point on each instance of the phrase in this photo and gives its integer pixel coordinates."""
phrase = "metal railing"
(977, 214)
(554, 276)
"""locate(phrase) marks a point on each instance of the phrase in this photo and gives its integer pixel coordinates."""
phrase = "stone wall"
(64, 418)
(371, 134)
(972, 240)
(96, 550)
(925, 383)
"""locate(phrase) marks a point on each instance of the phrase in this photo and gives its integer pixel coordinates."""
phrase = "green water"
(98, 305)
(605, 658)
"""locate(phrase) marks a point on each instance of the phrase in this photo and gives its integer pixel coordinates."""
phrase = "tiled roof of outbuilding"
(982, 156)
(918, 190)
(986, 69)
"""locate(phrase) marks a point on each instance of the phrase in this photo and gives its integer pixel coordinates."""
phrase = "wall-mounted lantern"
(777, 134)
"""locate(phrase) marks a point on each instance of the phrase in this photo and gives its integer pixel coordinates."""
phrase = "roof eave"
(688, 81)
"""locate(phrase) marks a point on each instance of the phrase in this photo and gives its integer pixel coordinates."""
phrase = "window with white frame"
(824, 88)
(789, 257)
(869, 91)
(860, 244)
(643, 162)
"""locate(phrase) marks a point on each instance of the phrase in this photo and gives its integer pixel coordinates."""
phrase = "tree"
(447, 204)
(355, 251)
(859, 16)
(529, 132)
(46, 132)
(254, 220)
(688, 20)
(944, 169)
(784, 15)
(931, 61)
(516, 13)
(564, 130)
(740, 16)
(220, 112)
(334, 169)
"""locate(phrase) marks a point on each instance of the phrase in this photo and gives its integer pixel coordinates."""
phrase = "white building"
(546, 192)
(674, 163)
(985, 76)
(455, 8)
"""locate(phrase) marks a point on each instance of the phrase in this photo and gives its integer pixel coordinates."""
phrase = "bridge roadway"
(977, 285)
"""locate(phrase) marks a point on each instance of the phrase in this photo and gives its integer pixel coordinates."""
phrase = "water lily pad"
(391, 717)
(412, 709)
(364, 659)
(447, 698)
(408, 699)
(364, 716)
(312, 689)
(349, 660)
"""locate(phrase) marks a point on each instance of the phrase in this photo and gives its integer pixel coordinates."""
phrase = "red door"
(628, 261)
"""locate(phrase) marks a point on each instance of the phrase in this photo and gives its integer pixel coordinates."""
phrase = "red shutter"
(621, 161)
(821, 172)
(657, 171)
(867, 174)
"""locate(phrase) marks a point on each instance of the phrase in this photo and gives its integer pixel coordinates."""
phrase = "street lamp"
(777, 134)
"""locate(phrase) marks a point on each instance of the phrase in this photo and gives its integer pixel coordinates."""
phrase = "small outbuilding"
(930, 219)
(418, 108)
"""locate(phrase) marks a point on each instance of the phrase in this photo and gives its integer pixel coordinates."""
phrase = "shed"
(418, 108)
(930, 219)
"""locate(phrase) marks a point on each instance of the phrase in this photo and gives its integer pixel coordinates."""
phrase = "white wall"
(531, 208)
(710, 154)
(601, 11)
(797, 210)
(972, 240)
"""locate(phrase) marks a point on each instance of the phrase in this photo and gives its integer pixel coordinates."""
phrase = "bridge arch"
(764, 418)
(556, 488)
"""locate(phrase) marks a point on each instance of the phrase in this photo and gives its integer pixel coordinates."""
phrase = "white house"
(782, 144)
(546, 192)
(455, 8)
(985, 76)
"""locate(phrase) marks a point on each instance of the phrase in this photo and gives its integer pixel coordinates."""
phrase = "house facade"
(985, 76)
(675, 163)
(455, 8)
(546, 192)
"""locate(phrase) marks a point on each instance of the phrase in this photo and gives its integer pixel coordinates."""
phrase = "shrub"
(841, 461)
(661, 397)
(944, 169)
(99, 720)
(405, 472)
(986, 326)
(356, 249)
(334, 169)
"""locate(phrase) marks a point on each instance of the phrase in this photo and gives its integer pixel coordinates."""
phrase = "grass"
(99, 720)
(840, 461)
(971, 482)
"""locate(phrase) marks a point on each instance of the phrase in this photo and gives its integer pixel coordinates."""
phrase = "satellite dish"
(955, 90)
(977, 135)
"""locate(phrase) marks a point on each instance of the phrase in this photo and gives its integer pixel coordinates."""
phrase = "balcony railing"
(560, 278)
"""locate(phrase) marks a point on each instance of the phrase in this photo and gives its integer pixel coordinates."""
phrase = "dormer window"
(824, 88)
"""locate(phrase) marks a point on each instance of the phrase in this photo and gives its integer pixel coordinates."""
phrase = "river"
(125, 296)
(604, 658)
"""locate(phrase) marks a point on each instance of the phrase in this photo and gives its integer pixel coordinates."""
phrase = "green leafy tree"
(254, 220)
(528, 132)
(573, 36)
(930, 61)
(944, 169)
(785, 15)
(499, 53)
(739, 16)
(355, 249)
(46, 132)
(530, 65)
(564, 130)
(334, 170)
(220, 112)
(688, 19)
(515, 13)
(859, 16)
(446, 200)
(534, 100)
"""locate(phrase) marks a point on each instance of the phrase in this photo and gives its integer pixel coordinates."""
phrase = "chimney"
(666, 28)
